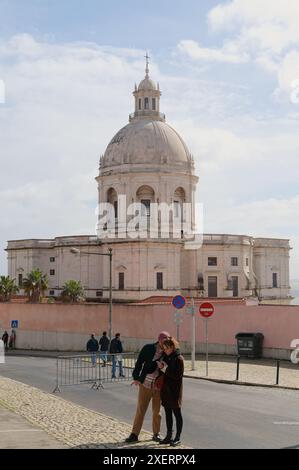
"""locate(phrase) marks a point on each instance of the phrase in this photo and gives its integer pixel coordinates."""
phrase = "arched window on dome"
(178, 212)
(146, 195)
(112, 198)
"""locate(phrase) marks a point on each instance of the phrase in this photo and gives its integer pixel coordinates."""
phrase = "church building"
(147, 165)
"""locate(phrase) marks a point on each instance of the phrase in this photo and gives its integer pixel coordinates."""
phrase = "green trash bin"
(250, 344)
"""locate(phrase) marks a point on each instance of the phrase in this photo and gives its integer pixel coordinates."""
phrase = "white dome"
(147, 144)
(147, 84)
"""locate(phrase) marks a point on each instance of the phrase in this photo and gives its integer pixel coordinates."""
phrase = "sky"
(229, 75)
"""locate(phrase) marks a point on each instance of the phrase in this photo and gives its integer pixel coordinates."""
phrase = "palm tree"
(73, 292)
(35, 285)
(7, 288)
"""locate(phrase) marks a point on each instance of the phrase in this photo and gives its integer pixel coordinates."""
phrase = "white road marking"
(22, 430)
(287, 423)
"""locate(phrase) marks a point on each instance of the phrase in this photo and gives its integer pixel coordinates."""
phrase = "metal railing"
(94, 368)
(147, 113)
(277, 365)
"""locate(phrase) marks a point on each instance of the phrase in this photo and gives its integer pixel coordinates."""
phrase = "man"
(92, 347)
(116, 349)
(5, 339)
(145, 374)
(104, 348)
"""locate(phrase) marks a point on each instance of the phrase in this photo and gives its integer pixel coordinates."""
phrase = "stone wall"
(67, 327)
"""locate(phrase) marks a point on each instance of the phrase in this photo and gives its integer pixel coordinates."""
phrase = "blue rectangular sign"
(14, 323)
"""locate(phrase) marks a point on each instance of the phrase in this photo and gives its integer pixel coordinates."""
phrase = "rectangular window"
(146, 105)
(121, 281)
(146, 207)
(200, 282)
(99, 293)
(52, 272)
(176, 208)
(247, 261)
(52, 260)
(20, 280)
(153, 104)
(115, 209)
(235, 286)
(139, 103)
(212, 286)
(234, 261)
(274, 280)
(159, 281)
(212, 261)
(52, 292)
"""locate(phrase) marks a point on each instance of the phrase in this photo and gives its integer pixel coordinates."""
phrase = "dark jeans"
(169, 420)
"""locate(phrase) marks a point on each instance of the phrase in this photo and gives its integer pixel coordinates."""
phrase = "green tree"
(8, 288)
(73, 292)
(35, 285)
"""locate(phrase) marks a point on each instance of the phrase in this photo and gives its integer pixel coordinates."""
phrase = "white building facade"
(145, 165)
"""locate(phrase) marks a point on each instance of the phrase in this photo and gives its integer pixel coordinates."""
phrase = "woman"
(172, 366)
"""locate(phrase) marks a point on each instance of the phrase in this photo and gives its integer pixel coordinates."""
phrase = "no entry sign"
(206, 309)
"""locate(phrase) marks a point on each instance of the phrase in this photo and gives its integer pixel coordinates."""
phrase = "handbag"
(159, 382)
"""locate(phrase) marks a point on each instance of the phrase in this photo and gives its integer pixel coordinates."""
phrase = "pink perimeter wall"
(279, 324)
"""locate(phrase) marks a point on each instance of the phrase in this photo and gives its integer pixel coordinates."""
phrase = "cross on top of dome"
(147, 98)
(147, 57)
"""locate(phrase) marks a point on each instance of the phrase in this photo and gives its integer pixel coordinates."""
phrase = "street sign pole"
(206, 310)
(207, 349)
(193, 335)
(178, 302)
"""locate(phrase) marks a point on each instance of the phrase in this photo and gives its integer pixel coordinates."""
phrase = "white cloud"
(225, 54)
(237, 14)
(288, 76)
(263, 32)
(274, 218)
(64, 102)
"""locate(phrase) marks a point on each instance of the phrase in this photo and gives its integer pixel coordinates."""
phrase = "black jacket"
(145, 364)
(104, 343)
(172, 390)
(116, 347)
(5, 337)
(92, 345)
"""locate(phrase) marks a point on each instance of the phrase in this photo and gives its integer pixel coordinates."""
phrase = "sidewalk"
(17, 433)
(252, 371)
(71, 425)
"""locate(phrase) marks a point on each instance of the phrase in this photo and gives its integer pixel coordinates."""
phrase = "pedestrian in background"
(12, 340)
(116, 349)
(104, 347)
(5, 339)
(92, 346)
(172, 366)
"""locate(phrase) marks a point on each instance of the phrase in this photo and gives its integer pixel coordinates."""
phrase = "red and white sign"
(206, 309)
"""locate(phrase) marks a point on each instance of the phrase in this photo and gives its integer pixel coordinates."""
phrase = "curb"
(237, 382)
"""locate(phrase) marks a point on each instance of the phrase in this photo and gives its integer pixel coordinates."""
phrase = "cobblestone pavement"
(71, 424)
(257, 371)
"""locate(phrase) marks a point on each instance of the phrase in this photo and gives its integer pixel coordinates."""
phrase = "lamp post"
(77, 252)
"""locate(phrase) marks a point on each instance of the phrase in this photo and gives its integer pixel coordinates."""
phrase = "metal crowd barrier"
(93, 368)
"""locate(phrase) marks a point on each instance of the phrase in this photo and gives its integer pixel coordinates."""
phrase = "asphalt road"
(215, 415)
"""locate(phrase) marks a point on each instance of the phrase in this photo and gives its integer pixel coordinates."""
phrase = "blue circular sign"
(178, 301)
